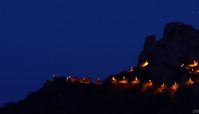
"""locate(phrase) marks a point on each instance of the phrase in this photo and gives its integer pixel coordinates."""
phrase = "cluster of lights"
(150, 84)
(193, 67)
(83, 80)
(142, 65)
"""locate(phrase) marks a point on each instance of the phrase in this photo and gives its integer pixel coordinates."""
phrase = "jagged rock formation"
(179, 44)
(135, 91)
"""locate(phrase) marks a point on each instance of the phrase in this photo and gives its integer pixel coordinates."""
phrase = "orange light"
(175, 86)
(146, 63)
(189, 82)
(135, 81)
(123, 81)
(196, 71)
(147, 85)
(161, 88)
(82, 80)
(114, 80)
(150, 83)
(195, 64)
(136, 78)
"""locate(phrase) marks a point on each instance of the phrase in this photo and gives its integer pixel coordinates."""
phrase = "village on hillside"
(125, 82)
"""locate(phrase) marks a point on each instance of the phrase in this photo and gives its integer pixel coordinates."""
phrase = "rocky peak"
(173, 29)
(179, 44)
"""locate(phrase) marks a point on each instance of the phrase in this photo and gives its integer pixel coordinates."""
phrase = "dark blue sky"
(92, 38)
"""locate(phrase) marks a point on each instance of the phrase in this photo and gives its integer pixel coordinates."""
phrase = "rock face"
(179, 44)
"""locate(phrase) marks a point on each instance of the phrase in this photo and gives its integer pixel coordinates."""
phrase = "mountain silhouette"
(165, 81)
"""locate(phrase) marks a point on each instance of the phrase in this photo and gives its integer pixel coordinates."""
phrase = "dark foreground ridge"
(165, 81)
(61, 97)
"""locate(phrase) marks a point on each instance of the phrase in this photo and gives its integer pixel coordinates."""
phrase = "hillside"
(73, 98)
(165, 81)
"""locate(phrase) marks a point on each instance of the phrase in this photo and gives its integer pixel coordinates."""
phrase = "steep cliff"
(178, 45)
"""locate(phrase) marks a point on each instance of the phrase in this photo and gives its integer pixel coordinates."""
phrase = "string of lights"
(192, 68)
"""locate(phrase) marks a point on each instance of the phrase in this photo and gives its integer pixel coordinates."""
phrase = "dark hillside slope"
(165, 81)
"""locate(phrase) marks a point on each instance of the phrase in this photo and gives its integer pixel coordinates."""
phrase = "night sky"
(39, 38)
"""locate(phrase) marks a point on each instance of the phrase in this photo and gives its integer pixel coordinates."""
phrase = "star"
(37, 3)
(194, 12)
(68, 17)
